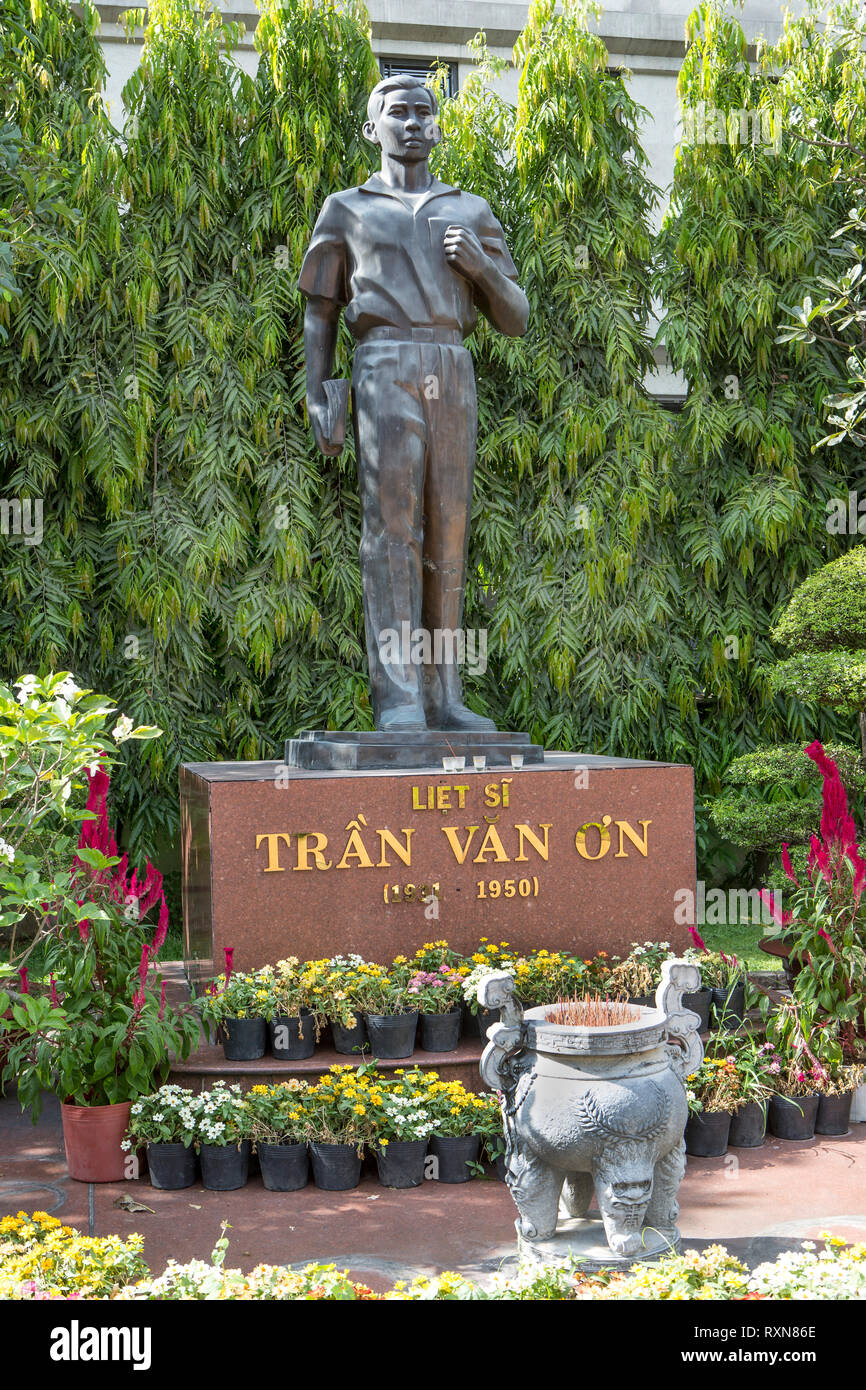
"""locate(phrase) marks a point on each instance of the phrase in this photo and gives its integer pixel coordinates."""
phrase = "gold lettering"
(416, 801)
(491, 794)
(443, 798)
(317, 850)
(506, 790)
(542, 849)
(355, 848)
(274, 866)
(640, 845)
(604, 838)
(491, 844)
(404, 851)
(460, 851)
(461, 796)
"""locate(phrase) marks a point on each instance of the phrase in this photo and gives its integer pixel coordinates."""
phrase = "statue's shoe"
(459, 717)
(402, 719)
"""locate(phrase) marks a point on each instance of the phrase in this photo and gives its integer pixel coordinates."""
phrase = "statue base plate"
(583, 1239)
(328, 750)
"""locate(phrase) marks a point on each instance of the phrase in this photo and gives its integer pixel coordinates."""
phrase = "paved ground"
(756, 1202)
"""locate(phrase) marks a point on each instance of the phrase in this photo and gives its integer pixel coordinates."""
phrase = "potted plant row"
(415, 1125)
(745, 1087)
(284, 1008)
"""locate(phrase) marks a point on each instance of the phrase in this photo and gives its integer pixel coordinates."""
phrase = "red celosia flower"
(229, 953)
(22, 975)
(769, 901)
(162, 928)
(696, 939)
(54, 999)
(859, 866)
(836, 822)
(787, 865)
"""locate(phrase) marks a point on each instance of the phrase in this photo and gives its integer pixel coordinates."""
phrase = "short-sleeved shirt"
(384, 259)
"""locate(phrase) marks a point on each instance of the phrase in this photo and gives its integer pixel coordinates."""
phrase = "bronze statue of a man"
(411, 260)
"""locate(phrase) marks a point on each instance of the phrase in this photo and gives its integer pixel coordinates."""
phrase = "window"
(417, 67)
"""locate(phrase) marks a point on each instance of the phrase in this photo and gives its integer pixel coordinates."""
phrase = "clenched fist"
(464, 252)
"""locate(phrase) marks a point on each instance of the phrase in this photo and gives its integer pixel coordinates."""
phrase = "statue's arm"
(321, 319)
(501, 300)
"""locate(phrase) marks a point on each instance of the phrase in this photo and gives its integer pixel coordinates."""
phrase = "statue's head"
(401, 118)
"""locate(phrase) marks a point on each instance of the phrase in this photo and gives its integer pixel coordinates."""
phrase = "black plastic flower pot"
(643, 1001)
(336, 1167)
(834, 1114)
(748, 1126)
(225, 1167)
(350, 1040)
(287, 1042)
(171, 1166)
(700, 1003)
(452, 1154)
(729, 1007)
(392, 1035)
(501, 1167)
(476, 1025)
(284, 1167)
(707, 1133)
(793, 1117)
(244, 1039)
(401, 1162)
(441, 1032)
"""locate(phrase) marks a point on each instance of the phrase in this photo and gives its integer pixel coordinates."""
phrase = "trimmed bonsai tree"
(824, 629)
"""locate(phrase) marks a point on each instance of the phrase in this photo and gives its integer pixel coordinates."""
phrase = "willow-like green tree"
(749, 233)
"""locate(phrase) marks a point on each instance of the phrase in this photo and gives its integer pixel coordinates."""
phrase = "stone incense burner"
(594, 1109)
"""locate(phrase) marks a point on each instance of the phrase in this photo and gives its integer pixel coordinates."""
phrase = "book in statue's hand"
(337, 397)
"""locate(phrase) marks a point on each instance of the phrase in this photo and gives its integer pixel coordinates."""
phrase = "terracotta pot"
(92, 1135)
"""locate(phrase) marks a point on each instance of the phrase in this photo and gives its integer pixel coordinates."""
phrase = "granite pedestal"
(578, 852)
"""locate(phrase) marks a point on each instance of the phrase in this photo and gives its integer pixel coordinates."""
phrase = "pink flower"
(859, 866)
(787, 865)
(696, 939)
(769, 900)
(161, 930)
(821, 932)
(54, 997)
(229, 953)
(22, 975)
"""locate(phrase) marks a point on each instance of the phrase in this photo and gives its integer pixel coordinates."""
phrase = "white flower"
(6, 851)
(122, 729)
(68, 689)
(25, 688)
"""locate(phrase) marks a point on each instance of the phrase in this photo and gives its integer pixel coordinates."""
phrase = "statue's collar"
(376, 184)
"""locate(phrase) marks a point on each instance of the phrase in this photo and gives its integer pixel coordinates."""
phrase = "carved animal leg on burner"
(663, 1209)
(535, 1188)
(577, 1193)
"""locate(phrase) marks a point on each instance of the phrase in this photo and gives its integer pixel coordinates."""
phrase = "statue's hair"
(397, 83)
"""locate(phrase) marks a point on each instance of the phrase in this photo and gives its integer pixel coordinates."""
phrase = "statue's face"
(406, 126)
